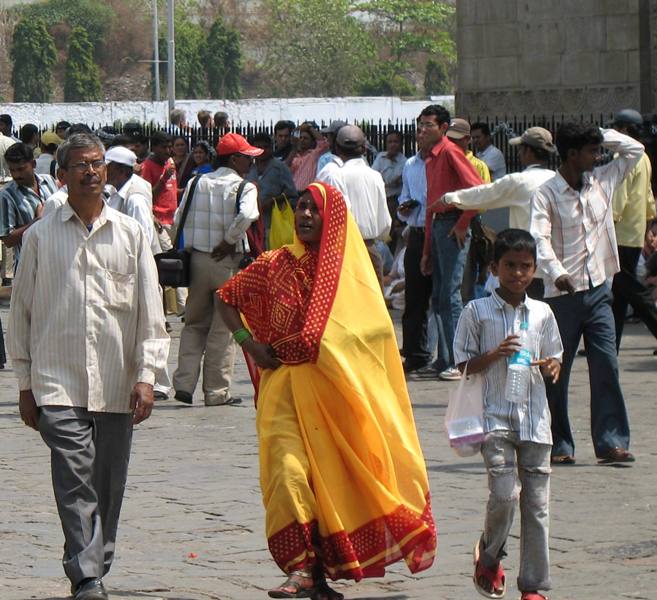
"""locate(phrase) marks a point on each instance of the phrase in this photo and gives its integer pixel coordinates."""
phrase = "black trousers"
(627, 289)
(417, 295)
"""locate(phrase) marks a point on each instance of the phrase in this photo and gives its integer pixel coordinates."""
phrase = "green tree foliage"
(412, 26)
(407, 28)
(315, 48)
(385, 80)
(223, 60)
(94, 16)
(34, 55)
(82, 83)
(436, 78)
(191, 69)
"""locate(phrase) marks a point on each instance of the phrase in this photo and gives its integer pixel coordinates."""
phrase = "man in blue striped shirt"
(21, 200)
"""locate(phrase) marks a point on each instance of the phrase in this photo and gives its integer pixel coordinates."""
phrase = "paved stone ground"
(192, 525)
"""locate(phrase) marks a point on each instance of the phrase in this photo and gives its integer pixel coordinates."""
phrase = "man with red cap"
(222, 207)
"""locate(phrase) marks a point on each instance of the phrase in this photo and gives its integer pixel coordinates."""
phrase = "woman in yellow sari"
(342, 474)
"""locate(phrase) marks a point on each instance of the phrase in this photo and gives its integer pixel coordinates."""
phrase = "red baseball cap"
(233, 143)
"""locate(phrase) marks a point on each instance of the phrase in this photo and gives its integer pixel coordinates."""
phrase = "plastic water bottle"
(518, 375)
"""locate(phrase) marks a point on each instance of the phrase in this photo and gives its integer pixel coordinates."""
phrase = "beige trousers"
(205, 337)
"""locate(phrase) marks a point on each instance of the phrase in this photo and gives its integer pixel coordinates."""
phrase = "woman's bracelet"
(241, 335)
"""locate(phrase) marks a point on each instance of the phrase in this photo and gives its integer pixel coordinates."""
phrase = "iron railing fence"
(502, 130)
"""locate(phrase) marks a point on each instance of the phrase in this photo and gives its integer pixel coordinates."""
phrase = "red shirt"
(448, 170)
(164, 206)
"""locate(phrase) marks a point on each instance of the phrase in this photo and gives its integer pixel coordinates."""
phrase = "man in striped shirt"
(86, 337)
(21, 201)
(573, 225)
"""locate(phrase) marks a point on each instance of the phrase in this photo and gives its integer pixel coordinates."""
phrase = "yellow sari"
(341, 470)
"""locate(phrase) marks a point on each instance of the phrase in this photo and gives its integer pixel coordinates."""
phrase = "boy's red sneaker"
(490, 583)
(533, 596)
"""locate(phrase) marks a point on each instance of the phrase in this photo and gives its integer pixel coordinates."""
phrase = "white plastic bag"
(464, 419)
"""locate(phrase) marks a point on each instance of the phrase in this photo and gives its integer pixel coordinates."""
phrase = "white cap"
(121, 155)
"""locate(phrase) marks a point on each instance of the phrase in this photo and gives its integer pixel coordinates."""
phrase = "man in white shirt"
(5, 143)
(484, 150)
(86, 337)
(45, 162)
(215, 233)
(130, 196)
(329, 156)
(363, 190)
(7, 126)
(514, 190)
(573, 225)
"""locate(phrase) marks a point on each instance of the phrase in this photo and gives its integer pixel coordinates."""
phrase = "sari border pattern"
(364, 552)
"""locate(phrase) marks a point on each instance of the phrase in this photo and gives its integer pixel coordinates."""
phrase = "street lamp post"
(171, 58)
(156, 52)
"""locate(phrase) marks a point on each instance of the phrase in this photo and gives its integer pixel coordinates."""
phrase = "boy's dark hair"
(19, 153)
(160, 138)
(574, 136)
(435, 110)
(7, 120)
(513, 240)
(62, 125)
(483, 127)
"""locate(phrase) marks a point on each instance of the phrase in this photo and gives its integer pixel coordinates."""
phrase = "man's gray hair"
(77, 141)
(177, 116)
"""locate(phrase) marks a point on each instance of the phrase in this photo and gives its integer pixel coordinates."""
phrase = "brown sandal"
(293, 586)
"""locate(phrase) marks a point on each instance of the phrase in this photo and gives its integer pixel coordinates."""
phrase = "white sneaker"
(450, 374)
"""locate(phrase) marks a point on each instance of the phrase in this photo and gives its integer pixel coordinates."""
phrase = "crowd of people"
(297, 249)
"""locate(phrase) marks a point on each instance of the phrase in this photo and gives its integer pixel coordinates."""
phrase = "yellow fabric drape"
(341, 466)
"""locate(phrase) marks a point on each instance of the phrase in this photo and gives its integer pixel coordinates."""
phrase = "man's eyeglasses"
(83, 167)
(427, 125)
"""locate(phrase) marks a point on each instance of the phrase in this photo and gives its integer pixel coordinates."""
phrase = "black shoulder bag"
(173, 266)
(247, 259)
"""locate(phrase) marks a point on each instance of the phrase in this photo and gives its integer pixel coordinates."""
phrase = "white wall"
(253, 110)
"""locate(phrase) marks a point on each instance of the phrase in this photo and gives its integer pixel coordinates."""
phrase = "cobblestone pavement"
(192, 524)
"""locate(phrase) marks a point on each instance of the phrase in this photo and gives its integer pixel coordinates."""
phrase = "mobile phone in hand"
(409, 204)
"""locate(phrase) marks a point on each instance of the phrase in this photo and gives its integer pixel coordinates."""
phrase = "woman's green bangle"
(241, 335)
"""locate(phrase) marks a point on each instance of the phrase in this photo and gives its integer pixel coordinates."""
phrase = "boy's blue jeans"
(530, 483)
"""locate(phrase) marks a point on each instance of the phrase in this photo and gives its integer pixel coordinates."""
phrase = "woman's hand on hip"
(263, 354)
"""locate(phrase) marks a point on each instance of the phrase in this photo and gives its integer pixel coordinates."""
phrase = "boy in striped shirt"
(518, 440)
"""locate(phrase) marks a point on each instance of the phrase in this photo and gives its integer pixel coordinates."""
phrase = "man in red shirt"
(160, 171)
(447, 228)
